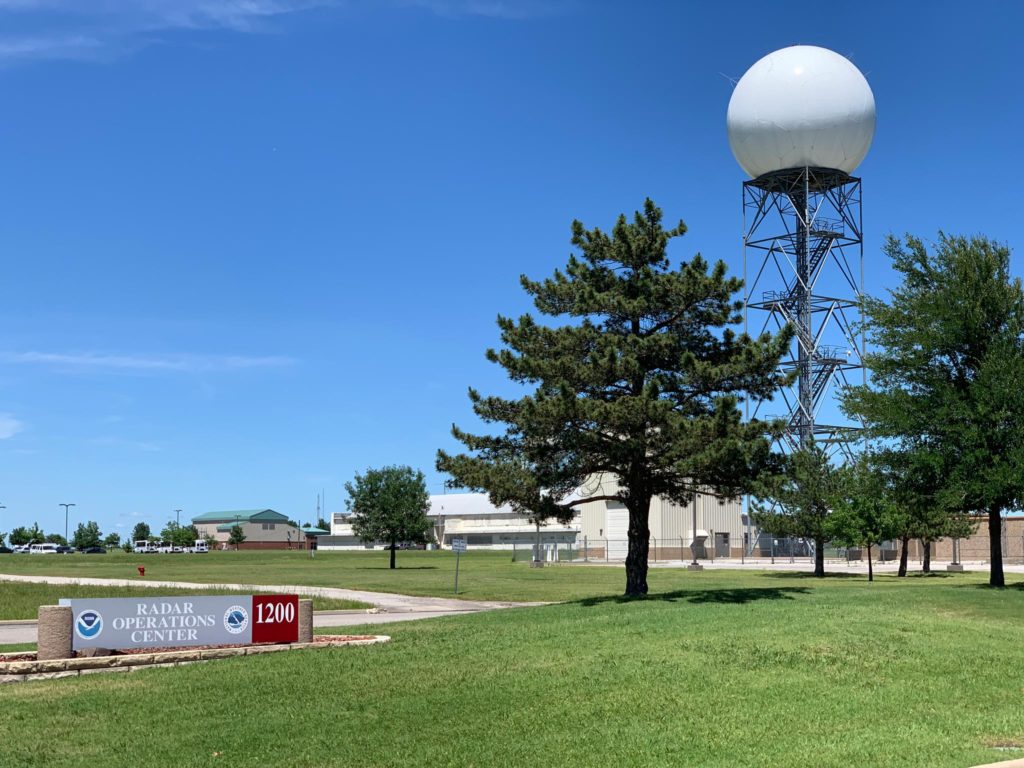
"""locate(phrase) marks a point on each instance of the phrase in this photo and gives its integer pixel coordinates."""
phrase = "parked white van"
(43, 549)
(200, 546)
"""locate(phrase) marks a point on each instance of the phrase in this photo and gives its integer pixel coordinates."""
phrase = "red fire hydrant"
(142, 570)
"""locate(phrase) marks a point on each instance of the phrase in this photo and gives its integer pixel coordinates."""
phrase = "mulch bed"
(31, 656)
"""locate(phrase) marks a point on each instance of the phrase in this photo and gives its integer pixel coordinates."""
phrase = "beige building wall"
(977, 547)
(670, 523)
(255, 532)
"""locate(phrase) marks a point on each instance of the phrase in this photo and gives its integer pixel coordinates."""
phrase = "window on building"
(268, 526)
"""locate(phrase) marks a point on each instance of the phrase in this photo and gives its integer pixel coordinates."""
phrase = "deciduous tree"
(389, 505)
(180, 535)
(237, 536)
(20, 536)
(864, 510)
(86, 535)
(947, 368)
(797, 500)
(140, 532)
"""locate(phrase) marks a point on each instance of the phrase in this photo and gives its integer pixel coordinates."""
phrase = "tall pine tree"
(643, 382)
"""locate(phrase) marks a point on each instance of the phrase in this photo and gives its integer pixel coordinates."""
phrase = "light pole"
(1, 540)
(66, 506)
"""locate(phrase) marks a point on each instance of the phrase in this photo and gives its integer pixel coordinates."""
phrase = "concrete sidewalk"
(388, 608)
(831, 566)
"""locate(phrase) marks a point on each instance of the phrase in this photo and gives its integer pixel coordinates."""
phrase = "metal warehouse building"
(599, 526)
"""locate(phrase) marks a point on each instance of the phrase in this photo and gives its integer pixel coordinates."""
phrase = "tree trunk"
(392, 555)
(871, 573)
(639, 543)
(995, 539)
(819, 556)
(926, 566)
(904, 542)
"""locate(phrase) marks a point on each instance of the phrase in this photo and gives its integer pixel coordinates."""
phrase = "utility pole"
(66, 506)
(177, 518)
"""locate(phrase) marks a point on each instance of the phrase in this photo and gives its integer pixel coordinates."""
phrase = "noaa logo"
(89, 624)
(236, 619)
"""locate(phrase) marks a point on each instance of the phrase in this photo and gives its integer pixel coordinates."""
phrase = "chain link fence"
(765, 548)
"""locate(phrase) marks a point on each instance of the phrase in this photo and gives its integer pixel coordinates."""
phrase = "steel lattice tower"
(803, 243)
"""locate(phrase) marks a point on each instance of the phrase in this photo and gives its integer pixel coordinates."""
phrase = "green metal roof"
(310, 530)
(241, 515)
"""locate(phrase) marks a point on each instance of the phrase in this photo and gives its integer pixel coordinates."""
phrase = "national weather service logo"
(236, 619)
(89, 624)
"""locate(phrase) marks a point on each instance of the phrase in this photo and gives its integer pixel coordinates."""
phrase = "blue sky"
(251, 248)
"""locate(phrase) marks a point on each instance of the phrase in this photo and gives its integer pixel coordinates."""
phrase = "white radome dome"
(801, 106)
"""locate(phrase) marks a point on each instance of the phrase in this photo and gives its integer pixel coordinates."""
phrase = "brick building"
(263, 528)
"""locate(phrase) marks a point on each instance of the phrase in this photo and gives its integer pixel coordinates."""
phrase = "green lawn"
(729, 669)
(15, 647)
(20, 600)
(482, 575)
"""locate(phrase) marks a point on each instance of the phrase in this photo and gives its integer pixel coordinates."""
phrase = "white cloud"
(9, 426)
(103, 29)
(500, 9)
(145, 363)
(94, 29)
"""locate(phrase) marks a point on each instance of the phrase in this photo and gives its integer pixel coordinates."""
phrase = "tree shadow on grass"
(930, 575)
(1014, 586)
(809, 576)
(396, 568)
(739, 596)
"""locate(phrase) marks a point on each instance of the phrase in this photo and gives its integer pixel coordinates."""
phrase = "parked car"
(43, 549)
(21, 549)
(63, 549)
(5, 550)
(93, 551)
(143, 547)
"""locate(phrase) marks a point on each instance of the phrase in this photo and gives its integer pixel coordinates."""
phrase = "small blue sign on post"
(458, 547)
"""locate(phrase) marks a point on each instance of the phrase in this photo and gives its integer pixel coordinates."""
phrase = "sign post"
(458, 547)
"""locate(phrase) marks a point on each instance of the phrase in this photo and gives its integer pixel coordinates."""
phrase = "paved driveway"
(388, 607)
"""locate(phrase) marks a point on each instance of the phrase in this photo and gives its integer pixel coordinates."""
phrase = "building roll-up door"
(617, 531)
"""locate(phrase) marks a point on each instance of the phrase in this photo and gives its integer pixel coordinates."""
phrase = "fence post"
(606, 550)
(513, 551)
(586, 550)
(655, 540)
(681, 549)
